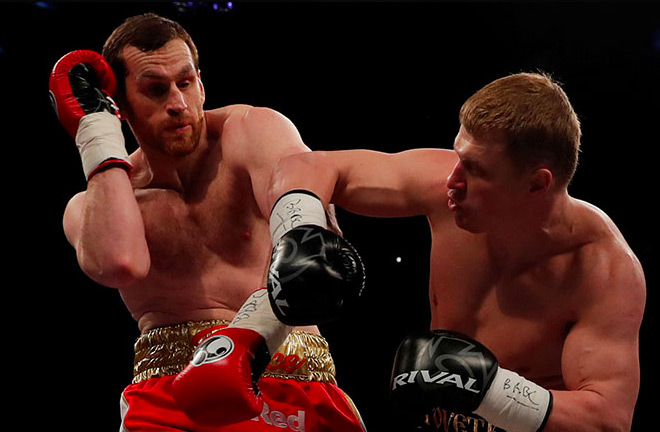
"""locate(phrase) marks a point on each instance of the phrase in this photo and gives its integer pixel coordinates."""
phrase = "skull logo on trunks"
(213, 349)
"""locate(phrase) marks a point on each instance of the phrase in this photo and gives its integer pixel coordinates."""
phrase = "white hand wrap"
(99, 140)
(515, 404)
(256, 314)
(294, 209)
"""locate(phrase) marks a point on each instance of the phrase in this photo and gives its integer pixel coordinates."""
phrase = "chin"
(467, 225)
(181, 148)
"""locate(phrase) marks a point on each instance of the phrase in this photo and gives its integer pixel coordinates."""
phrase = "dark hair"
(534, 116)
(147, 32)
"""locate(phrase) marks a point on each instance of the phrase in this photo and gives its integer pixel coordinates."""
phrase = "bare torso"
(209, 248)
(523, 314)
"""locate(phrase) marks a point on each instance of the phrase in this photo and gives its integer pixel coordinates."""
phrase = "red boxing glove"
(81, 85)
(219, 385)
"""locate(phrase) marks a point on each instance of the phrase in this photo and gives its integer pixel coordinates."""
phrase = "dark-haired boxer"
(545, 296)
(181, 229)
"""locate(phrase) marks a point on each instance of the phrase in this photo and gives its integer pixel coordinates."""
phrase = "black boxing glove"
(449, 370)
(314, 275)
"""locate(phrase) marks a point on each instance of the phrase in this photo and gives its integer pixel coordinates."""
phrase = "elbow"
(116, 270)
(618, 419)
(613, 419)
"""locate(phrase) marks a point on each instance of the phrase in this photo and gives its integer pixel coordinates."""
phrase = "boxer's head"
(148, 32)
(159, 89)
(519, 135)
(532, 116)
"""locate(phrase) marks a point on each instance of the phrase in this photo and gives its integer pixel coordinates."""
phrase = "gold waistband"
(167, 350)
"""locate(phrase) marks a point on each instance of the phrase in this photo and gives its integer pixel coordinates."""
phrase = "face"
(486, 191)
(164, 98)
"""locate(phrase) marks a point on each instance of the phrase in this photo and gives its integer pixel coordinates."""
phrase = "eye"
(473, 168)
(157, 90)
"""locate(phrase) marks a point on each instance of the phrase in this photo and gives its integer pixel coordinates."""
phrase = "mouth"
(451, 200)
(179, 128)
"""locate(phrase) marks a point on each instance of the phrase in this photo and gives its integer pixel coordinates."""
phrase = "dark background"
(384, 76)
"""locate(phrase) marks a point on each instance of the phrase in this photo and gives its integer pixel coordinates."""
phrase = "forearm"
(587, 411)
(111, 246)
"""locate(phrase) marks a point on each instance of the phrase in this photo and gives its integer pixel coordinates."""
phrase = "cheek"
(196, 101)
(487, 196)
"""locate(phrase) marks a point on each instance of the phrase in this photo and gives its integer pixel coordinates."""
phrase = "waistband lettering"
(289, 363)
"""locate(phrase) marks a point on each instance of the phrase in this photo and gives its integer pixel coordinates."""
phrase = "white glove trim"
(100, 139)
(257, 315)
(294, 209)
(515, 404)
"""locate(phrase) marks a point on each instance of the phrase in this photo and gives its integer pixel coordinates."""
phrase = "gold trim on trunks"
(167, 350)
(303, 356)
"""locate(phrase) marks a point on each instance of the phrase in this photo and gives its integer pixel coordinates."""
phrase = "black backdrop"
(384, 76)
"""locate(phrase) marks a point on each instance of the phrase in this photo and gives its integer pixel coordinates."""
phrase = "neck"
(541, 232)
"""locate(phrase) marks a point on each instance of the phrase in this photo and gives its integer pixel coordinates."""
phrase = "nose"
(176, 103)
(456, 179)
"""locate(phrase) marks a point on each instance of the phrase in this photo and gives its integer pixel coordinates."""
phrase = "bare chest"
(523, 319)
(224, 227)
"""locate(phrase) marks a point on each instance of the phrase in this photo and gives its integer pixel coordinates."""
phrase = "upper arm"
(412, 182)
(373, 183)
(264, 136)
(600, 359)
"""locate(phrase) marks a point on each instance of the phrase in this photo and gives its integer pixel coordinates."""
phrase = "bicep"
(593, 360)
(600, 359)
(408, 183)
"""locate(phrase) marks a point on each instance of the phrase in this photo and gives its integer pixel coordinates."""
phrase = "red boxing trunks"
(299, 387)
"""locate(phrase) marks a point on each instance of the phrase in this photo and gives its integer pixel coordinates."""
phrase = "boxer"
(181, 228)
(540, 291)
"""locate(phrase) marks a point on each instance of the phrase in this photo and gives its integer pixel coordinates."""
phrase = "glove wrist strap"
(100, 142)
(293, 209)
(257, 315)
(515, 403)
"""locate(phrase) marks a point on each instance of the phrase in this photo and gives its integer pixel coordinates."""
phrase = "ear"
(541, 180)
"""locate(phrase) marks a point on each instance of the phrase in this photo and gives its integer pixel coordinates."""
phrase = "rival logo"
(440, 378)
(280, 420)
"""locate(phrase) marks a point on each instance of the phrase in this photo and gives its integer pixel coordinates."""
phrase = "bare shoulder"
(250, 126)
(606, 236)
(613, 274)
(242, 115)
(217, 117)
